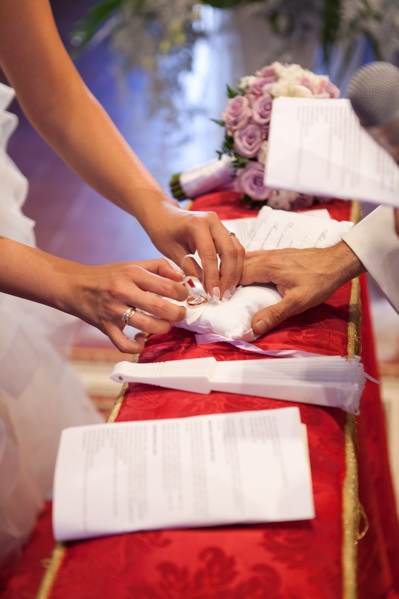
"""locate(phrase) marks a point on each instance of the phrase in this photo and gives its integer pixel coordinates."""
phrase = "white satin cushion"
(231, 319)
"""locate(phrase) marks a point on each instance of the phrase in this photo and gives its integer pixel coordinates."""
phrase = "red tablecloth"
(317, 559)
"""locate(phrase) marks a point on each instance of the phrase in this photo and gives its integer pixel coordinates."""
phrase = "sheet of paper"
(276, 229)
(240, 226)
(196, 471)
(317, 146)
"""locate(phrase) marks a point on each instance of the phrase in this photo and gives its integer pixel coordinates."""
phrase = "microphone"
(374, 95)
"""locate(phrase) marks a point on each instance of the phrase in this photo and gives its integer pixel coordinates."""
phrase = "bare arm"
(60, 106)
(305, 278)
(97, 294)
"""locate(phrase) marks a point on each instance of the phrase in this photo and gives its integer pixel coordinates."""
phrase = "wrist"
(156, 203)
(344, 263)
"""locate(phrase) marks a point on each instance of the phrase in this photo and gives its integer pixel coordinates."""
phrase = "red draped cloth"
(350, 549)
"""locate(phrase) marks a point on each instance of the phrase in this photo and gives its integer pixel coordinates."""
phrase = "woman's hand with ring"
(186, 232)
(102, 295)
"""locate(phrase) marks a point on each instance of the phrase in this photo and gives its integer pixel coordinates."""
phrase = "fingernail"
(216, 293)
(260, 327)
(226, 295)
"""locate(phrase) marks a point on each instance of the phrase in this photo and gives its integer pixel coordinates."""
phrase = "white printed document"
(318, 146)
(207, 470)
(277, 229)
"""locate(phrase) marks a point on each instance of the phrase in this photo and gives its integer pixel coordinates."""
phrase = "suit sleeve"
(376, 244)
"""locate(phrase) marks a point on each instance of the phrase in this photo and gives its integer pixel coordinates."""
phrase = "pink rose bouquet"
(246, 120)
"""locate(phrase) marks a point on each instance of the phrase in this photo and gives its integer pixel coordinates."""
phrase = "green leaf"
(86, 27)
(231, 93)
(218, 122)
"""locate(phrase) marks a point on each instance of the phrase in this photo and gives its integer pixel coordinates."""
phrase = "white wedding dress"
(39, 392)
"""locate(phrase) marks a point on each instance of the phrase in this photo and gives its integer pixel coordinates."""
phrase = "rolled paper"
(213, 175)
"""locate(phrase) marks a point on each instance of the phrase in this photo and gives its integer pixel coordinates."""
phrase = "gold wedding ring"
(196, 301)
(128, 314)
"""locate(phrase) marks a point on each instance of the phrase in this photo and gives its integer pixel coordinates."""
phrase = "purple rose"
(257, 88)
(250, 181)
(248, 140)
(268, 73)
(237, 114)
(261, 110)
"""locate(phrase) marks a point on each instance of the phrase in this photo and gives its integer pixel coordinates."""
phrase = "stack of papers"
(318, 146)
(275, 229)
(184, 472)
(331, 381)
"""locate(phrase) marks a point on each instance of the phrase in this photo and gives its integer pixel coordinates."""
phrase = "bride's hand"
(177, 232)
(101, 295)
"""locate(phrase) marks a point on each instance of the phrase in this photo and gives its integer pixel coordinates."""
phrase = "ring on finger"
(229, 233)
(128, 314)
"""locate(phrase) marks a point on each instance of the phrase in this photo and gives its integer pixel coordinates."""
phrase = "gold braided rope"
(52, 565)
(48, 579)
(350, 497)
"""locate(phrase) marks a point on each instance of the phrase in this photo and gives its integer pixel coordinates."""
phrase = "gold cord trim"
(52, 569)
(350, 500)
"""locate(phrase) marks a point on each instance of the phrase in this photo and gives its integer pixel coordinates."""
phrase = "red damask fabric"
(297, 560)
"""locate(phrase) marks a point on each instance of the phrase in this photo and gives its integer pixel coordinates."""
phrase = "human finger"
(124, 343)
(155, 307)
(207, 252)
(231, 265)
(162, 268)
(149, 323)
(191, 267)
(270, 317)
(221, 257)
(255, 268)
(158, 285)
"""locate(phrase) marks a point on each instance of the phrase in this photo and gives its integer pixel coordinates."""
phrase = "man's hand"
(305, 278)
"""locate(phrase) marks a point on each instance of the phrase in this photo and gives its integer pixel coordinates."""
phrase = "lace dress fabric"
(39, 392)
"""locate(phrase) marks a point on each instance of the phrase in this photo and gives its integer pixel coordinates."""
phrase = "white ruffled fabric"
(39, 392)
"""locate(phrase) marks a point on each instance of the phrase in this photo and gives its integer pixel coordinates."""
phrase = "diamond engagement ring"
(128, 314)
(231, 233)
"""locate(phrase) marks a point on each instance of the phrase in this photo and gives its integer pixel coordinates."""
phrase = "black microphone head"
(374, 93)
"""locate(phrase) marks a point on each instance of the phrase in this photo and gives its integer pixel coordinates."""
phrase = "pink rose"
(261, 110)
(328, 89)
(237, 114)
(267, 72)
(248, 140)
(305, 82)
(250, 181)
(258, 86)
